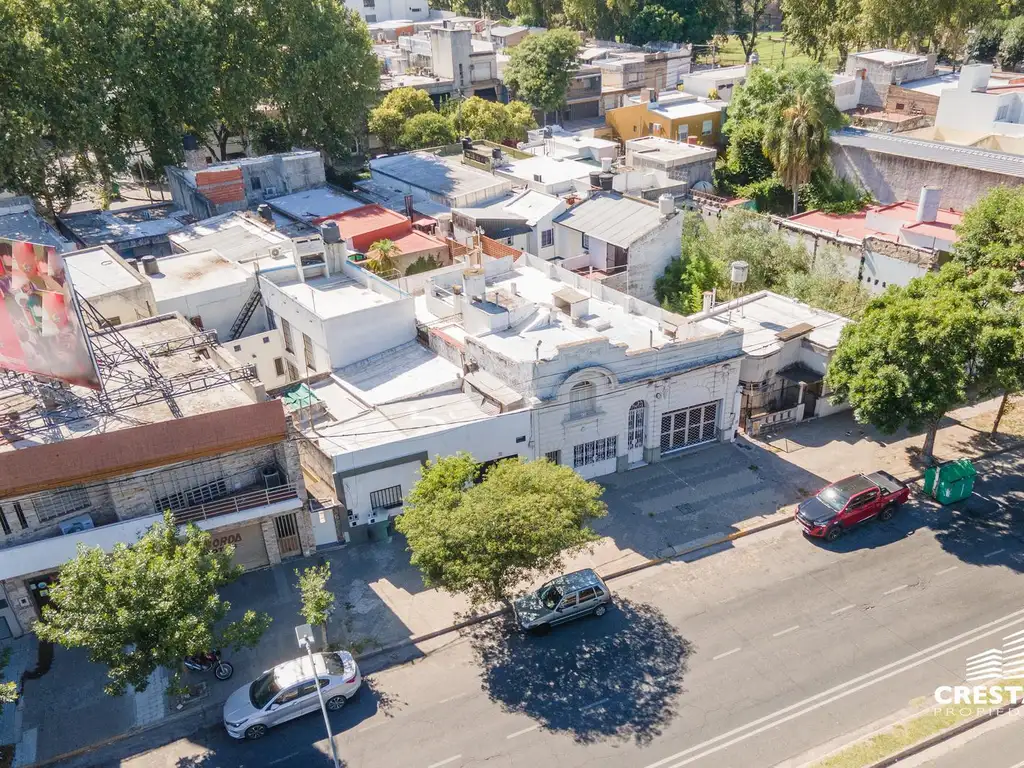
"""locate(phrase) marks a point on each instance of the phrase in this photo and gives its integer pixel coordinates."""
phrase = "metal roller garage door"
(689, 426)
(250, 550)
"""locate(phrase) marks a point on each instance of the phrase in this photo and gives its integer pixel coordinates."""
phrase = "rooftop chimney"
(928, 205)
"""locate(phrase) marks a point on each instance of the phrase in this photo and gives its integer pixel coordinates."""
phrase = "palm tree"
(382, 258)
(796, 141)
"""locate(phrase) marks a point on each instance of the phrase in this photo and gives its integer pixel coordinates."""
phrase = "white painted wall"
(261, 349)
(345, 339)
(880, 271)
(127, 305)
(218, 307)
(488, 439)
(649, 256)
(390, 10)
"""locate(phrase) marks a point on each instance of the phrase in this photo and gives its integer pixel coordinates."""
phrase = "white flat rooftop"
(602, 320)
(669, 150)
(98, 271)
(188, 273)
(330, 297)
(552, 170)
(353, 426)
(237, 236)
(886, 56)
(440, 175)
(314, 203)
(410, 370)
(682, 110)
(761, 321)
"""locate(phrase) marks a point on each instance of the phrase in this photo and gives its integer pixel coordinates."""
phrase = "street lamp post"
(304, 634)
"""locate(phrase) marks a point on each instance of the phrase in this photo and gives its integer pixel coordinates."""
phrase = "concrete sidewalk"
(382, 602)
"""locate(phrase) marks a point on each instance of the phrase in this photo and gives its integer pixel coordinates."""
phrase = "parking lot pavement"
(709, 491)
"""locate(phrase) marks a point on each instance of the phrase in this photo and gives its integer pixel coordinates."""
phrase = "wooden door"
(287, 535)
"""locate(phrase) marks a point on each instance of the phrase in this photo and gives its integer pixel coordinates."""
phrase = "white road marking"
(787, 630)
(1018, 765)
(520, 733)
(597, 703)
(843, 609)
(793, 711)
(727, 653)
(281, 759)
(896, 589)
(1015, 634)
(451, 759)
(947, 570)
(997, 552)
(452, 698)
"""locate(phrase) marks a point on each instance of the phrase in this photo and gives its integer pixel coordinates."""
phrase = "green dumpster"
(951, 482)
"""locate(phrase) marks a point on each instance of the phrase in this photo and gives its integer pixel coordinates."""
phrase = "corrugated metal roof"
(613, 218)
(932, 151)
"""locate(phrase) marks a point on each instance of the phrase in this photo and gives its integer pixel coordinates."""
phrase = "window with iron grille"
(582, 400)
(547, 238)
(307, 351)
(594, 451)
(279, 366)
(286, 331)
(4, 525)
(386, 498)
(293, 372)
(689, 426)
(60, 503)
(21, 515)
(555, 457)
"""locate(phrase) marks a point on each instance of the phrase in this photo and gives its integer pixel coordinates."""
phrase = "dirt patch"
(1012, 423)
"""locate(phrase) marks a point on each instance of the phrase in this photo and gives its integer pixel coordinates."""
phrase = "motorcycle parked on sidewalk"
(208, 660)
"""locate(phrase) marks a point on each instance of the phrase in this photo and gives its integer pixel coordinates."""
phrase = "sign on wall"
(41, 328)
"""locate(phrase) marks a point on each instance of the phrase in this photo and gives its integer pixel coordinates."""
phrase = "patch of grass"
(771, 49)
(902, 735)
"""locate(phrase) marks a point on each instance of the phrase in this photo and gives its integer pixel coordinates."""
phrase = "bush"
(833, 194)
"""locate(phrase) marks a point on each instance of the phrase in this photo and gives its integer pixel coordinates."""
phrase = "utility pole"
(304, 634)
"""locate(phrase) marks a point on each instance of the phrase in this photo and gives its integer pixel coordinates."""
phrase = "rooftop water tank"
(329, 231)
(738, 272)
(666, 204)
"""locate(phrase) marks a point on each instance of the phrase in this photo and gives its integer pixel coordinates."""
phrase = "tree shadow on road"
(617, 676)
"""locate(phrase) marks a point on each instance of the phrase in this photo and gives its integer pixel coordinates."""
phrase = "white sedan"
(288, 691)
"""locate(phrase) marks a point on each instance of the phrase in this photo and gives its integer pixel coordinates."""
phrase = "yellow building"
(670, 115)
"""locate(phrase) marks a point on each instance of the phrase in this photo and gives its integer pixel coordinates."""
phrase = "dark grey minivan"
(563, 599)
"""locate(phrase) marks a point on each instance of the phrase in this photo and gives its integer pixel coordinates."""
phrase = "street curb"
(679, 550)
(949, 733)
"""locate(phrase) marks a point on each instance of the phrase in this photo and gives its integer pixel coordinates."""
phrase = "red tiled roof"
(849, 224)
(366, 218)
(119, 453)
(414, 242)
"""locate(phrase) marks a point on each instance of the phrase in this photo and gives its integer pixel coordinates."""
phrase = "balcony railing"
(239, 503)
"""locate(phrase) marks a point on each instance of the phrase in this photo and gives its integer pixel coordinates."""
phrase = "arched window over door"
(582, 400)
(635, 426)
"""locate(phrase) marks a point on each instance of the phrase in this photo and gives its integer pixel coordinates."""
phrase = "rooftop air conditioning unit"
(275, 253)
(269, 191)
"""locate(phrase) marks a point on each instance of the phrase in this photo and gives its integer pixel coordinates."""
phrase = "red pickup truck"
(850, 502)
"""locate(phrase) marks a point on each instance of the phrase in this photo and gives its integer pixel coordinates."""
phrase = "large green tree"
(699, 268)
(484, 537)
(796, 141)
(493, 121)
(147, 605)
(328, 74)
(819, 27)
(991, 233)
(541, 68)
(388, 119)
(919, 350)
(244, 59)
(430, 129)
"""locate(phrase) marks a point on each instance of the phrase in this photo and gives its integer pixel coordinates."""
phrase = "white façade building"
(510, 356)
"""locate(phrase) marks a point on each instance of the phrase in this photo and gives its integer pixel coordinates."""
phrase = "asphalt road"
(748, 657)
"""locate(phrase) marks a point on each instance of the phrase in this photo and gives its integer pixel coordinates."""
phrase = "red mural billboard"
(41, 328)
